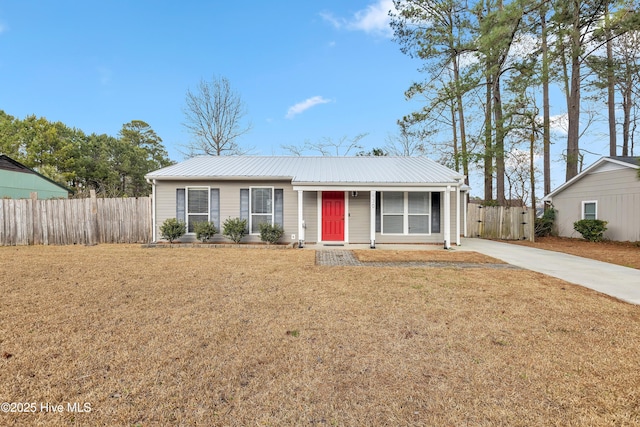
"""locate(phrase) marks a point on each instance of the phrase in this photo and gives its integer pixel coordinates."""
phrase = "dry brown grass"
(255, 337)
(621, 253)
(433, 255)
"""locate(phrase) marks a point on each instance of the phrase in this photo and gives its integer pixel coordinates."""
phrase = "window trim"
(405, 214)
(187, 214)
(586, 202)
(251, 213)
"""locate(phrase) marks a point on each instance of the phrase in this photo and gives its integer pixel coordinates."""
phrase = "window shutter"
(278, 217)
(435, 212)
(180, 207)
(244, 206)
(214, 207)
(378, 226)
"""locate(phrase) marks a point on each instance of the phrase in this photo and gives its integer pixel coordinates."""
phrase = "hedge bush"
(234, 229)
(544, 224)
(591, 229)
(270, 233)
(172, 229)
(204, 230)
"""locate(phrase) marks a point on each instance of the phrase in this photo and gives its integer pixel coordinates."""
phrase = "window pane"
(261, 200)
(392, 224)
(198, 201)
(256, 220)
(589, 211)
(196, 218)
(418, 224)
(393, 202)
(418, 203)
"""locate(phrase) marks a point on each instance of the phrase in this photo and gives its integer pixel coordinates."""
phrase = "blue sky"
(305, 70)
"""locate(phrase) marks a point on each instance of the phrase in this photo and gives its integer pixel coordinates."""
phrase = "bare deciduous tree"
(214, 115)
(407, 142)
(327, 146)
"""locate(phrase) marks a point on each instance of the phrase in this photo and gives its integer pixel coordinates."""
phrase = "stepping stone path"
(346, 258)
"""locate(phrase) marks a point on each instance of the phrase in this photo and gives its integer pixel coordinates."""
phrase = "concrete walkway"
(619, 282)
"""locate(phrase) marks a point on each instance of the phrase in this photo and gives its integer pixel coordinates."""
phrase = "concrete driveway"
(619, 282)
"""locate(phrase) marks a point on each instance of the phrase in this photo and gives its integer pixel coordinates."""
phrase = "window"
(261, 208)
(197, 207)
(198, 204)
(405, 212)
(393, 212)
(418, 213)
(590, 210)
(261, 204)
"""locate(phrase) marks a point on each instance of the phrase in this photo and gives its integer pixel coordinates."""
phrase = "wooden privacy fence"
(500, 222)
(75, 221)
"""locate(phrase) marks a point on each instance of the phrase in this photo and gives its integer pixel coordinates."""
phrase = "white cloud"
(560, 123)
(300, 107)
(374, 19)
(517, 158)
(3, 28)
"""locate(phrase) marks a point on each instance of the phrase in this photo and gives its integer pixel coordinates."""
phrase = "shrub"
(270, 233)
(204, 230)
(591, 229)
(234, 229)
(544, 224)
(172, 229)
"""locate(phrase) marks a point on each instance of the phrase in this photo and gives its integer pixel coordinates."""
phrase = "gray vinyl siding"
(617, 193)
(310, 214)
(359, 217)
(229, 204)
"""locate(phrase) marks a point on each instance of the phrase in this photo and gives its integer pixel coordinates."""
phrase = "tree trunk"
(463, 134)
(546, 110)
(532, 169)
(626, 125)
(454, 128)
(611, 90)
(488, 149)
(573, 107)
(499, 144)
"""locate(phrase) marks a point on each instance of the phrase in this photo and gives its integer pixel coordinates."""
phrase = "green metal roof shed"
(18, 182)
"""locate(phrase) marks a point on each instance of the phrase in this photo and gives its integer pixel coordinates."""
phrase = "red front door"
(333, 216)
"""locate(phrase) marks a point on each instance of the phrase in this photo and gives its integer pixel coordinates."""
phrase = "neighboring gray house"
(608, 190)
(324, 200)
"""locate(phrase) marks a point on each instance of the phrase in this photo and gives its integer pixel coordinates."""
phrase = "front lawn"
(257, 337)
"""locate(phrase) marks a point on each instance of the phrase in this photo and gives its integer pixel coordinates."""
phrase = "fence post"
(35, 220)
(94, 238)
(532, 223)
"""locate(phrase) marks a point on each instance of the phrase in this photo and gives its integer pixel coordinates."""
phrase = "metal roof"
(312, 170)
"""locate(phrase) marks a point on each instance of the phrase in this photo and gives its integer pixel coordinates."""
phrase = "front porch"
(425, 216)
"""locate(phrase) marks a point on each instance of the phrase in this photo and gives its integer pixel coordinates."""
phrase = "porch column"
(465, 208)
(153, 212)
(458, 215)
(300, 219)
(372, 221)
(447, 217)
